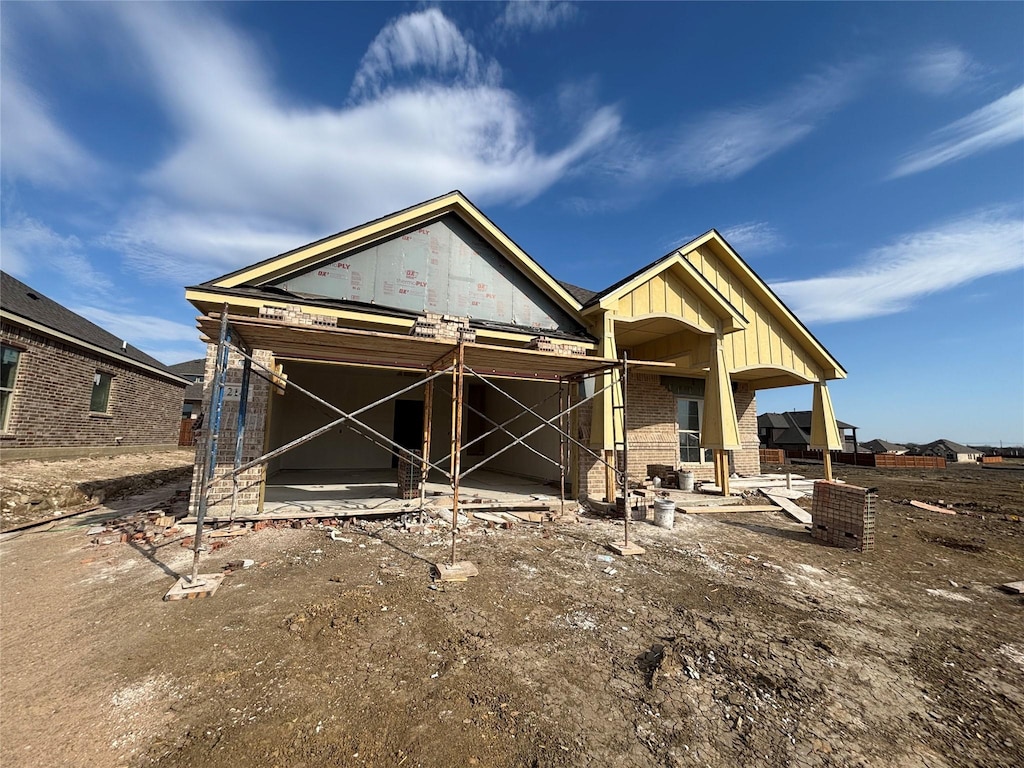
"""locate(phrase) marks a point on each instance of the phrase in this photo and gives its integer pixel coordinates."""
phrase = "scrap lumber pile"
(432, 325)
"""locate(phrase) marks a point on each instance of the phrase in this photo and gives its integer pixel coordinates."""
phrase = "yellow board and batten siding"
(765, 342)
(666, 293)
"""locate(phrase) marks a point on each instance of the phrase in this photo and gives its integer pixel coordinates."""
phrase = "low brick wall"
(844, 515)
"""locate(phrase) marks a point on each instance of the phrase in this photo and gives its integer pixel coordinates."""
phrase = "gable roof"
(949, 446)
(195, 367)
(582, 295)
(750, 278)
(261, 273)
(801, 419)
(884, 445)
(19, 302)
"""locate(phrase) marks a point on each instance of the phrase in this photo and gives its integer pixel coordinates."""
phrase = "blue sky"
(866, 159)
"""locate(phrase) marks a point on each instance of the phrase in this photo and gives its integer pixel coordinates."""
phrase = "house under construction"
(428, 343)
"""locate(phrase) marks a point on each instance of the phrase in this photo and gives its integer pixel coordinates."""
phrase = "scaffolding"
(459, 360)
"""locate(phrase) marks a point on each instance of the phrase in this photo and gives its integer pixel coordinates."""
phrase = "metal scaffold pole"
(243, 407)
(216, 407)
(624, 379)
(561, 444)
(458, 374)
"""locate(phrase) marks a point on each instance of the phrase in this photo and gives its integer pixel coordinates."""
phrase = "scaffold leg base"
(624, 549)
(461, 571)
(206, 584)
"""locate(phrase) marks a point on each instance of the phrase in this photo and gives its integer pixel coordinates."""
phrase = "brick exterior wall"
(748, 460)
(249, 482)
(653, 436)
(52, 393)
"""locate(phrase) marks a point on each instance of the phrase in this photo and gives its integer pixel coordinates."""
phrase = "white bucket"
(686, 481)
(664, 513)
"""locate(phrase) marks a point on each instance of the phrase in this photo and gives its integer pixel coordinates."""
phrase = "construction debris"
(932, 507)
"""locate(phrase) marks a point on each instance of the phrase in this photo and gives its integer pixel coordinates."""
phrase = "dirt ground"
(33, 489)
(735, 640)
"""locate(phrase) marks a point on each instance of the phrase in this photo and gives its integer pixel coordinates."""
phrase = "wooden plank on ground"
(797, 513)
(726, 508)
(1013, 587)
(487, 517)
(783, 492)
(932, 508)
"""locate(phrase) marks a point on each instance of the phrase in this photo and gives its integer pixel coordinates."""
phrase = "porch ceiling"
(374, 348)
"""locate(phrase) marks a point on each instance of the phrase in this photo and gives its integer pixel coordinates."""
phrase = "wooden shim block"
(621, 548)
(1013, 587)
(932, 508)
(721, 509)
(797, 513)
(461, 571)
(206, 585)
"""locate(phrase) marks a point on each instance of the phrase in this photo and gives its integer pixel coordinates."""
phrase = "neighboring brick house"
(192, 371)
(884, 446)
(70, 388)
(791, 431)
(949, 450)
(711, 330)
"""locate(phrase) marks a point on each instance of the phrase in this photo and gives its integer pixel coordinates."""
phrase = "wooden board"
(463, 570)
(722, 509)
(621, 548)
(932, 508)
(1013, 587)
(783, 492)
(207, 584)
(799, 514)
(487, 517)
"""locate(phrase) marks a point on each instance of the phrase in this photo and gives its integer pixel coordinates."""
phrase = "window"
(100, 392)
(8, 375)
(689, 415)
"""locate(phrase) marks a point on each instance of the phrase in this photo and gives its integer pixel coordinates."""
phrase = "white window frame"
(96, 379)
(5, 414)
(702, 452)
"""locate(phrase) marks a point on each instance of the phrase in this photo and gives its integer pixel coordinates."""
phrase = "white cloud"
(891, 278)
(259, 165)
(29, 245)
(425, 41)
(162, 242)
(35, 147)
(166, 340)
(727, 143)
(753, 237)
(137, 329)
(941, 70)
(535, 15)
(994, 125)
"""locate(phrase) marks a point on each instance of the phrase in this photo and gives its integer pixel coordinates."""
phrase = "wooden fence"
(185, 435)
(881, 460)
(772, 455)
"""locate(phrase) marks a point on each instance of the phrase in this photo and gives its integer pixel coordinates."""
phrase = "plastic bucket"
(664, 513)
(686, 481)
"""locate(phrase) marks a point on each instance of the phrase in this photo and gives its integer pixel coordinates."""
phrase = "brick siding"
(53, 390)
(653, 436)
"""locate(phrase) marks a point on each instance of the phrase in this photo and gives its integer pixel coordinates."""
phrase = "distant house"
(70, 388)
(884, 446)
(791, 431)
(950, 451)
(193, 371)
